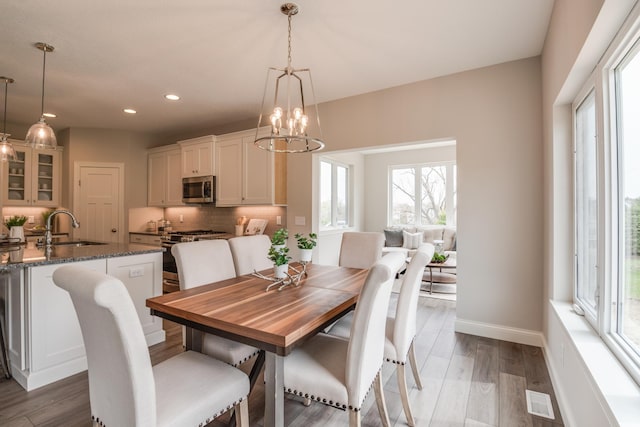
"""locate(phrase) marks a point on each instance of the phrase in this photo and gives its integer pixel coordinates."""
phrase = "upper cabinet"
(247, 175)
(198, 156)
(165, 176)
(33, 179)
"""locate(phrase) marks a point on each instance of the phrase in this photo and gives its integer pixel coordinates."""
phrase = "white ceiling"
(214, 53)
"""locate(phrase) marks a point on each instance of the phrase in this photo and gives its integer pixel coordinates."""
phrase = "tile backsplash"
(207, 217)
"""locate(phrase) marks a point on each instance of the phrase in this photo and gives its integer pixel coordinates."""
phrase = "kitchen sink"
(77, 243)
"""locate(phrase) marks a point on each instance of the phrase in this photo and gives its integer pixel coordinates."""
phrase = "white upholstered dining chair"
(340, 372)
(200, 263)
(189, 389)
(401, 329)
(360, 249)
(250, 253)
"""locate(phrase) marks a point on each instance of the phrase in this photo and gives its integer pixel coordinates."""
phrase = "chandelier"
(288, 118)
(40, 135)
(6, 148)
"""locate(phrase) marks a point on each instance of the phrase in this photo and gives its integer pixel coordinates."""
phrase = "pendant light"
(40, 135)
(288, 117)
(7, 153)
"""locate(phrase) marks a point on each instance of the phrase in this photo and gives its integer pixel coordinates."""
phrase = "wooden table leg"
(430, 280)
(273, 390)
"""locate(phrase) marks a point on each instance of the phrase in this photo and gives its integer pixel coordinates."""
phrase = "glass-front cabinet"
(33, 178)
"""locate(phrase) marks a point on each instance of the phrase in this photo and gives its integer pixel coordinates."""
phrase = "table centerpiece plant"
(306, 245)
(280, 258)
(280, 237)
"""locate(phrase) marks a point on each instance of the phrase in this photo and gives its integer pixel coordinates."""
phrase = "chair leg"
(242, 413)
(382, 406)
(354, 419)
(404, 394)
(414, 365)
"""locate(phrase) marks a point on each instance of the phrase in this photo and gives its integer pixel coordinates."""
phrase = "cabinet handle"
(114, 230)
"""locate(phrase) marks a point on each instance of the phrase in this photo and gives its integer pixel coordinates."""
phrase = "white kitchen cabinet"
(247, 175)
(198, 156)
(33, 179)
(45, 340)
(164, 185)
(142, 276)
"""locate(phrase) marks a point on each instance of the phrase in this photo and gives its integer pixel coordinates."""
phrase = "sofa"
(408, 239)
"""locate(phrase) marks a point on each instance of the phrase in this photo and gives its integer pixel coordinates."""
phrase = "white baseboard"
(500, 332)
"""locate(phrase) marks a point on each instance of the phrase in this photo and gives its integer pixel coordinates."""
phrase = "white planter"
(17, 232)
(278, 247)
(280, 271)
(305, 255)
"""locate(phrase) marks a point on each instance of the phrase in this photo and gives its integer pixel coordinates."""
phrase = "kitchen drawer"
(145, 239)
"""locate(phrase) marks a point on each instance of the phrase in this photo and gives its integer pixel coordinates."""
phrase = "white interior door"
(99, 201)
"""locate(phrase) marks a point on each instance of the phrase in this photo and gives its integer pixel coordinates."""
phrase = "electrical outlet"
(278, 220)
(136, 271)
(181, 218)
(31, 219)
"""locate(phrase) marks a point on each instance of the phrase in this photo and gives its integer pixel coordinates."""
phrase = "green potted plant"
(279, 238)
(15, 226)
(306, 245)
(280, 258)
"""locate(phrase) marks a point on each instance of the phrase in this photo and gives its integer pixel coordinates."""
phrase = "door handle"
(114, 230)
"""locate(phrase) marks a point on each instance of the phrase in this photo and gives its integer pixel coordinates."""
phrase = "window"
(422, 194)
(626, 323)
(586, 205)
(334, 195)
(607, 199)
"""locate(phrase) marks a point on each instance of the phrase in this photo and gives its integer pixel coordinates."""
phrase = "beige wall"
(494, 114)
(108, 146)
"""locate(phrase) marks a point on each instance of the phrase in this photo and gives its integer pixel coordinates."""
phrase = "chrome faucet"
(47, 234)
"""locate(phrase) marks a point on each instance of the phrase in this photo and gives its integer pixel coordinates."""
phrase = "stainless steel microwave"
(199, 189)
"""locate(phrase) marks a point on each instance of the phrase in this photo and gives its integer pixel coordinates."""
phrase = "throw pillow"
(393, 238)
(411, 240)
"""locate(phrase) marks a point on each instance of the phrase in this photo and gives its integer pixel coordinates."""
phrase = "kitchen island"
(44, 340)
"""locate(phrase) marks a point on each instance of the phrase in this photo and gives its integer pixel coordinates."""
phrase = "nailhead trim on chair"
(395, 361)
(202, 424)
(235, 365)
(337, 405)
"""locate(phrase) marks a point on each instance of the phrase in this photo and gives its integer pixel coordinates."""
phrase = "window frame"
(608, 182)
(450, 191)
(334, 195)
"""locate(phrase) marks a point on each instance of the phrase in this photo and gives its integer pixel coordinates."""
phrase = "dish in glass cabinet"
(44, 196)
(15, 195)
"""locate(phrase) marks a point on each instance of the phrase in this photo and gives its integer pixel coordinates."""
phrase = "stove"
(170, 281)
(192, 235)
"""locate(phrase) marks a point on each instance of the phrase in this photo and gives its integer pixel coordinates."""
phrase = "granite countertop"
(29, 255)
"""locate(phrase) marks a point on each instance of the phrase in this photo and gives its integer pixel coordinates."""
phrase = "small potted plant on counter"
(280, 258)
(279, 238)
(15, 225)
(306, 245)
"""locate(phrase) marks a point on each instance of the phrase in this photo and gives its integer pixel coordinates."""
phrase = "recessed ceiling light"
(129, 111)
(49, 115)
(172, 97)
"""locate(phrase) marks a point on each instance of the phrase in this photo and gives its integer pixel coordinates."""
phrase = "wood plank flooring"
(468, 381)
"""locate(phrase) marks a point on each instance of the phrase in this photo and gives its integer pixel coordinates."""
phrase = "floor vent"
(539, 404)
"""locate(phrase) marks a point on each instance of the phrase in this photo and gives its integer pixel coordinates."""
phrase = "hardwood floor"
(467, 381)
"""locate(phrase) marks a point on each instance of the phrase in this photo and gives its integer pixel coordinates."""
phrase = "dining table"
(275, 321)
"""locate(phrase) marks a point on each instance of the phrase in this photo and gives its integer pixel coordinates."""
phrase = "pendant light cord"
(289, 42)
(44, 64)
(4, 126)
